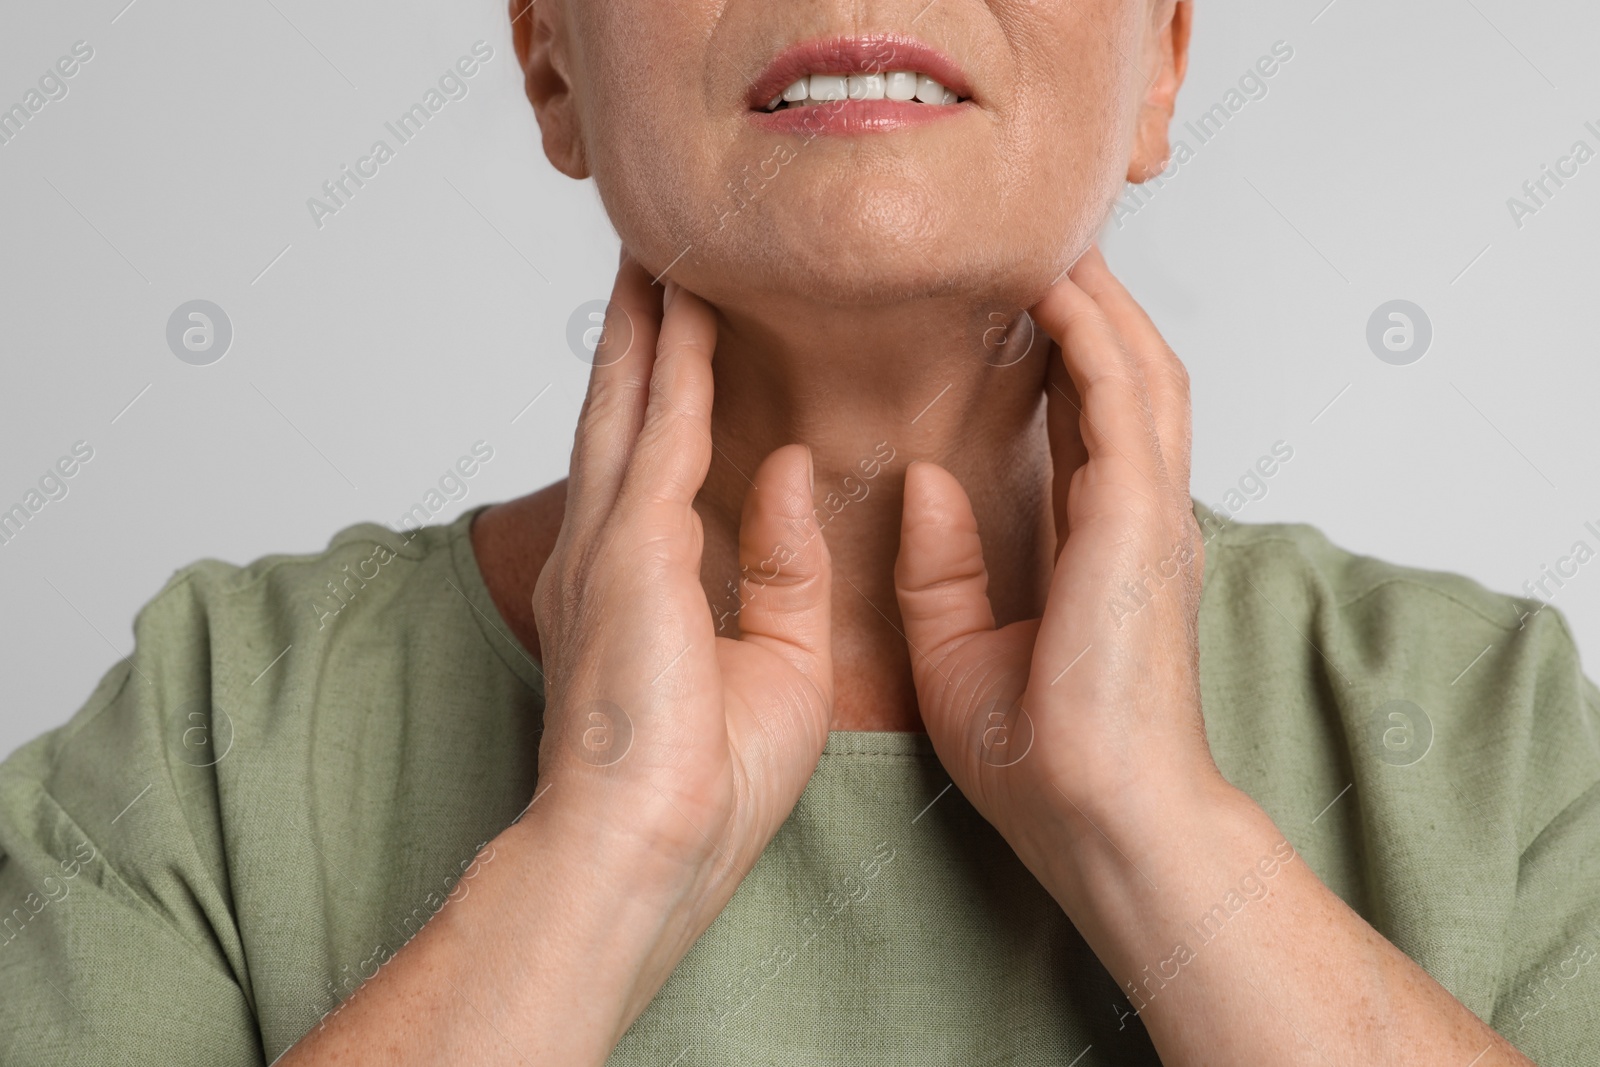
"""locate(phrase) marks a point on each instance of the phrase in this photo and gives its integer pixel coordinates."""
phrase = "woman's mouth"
(905, 86)
(859, 84)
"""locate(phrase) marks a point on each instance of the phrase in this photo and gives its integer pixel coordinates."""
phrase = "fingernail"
(811, 470)
(671, 291)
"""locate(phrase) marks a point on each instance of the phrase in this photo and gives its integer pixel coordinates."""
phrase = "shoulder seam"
(1401, 579)
(335, 545)
(1381, 582)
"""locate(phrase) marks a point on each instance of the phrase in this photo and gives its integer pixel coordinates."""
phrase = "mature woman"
(844, 705)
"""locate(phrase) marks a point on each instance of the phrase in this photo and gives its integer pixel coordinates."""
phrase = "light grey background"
(430, 313)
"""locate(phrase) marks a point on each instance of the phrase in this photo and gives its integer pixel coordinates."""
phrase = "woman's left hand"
(1079, 735)
(1091, 713)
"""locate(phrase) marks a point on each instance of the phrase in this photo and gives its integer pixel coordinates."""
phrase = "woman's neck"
(869, 390)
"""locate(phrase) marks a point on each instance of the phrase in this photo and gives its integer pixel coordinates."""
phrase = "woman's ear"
(540, 33)
(1168, 58)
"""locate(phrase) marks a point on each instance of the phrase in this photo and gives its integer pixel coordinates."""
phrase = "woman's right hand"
(670, 755)
(661, 736)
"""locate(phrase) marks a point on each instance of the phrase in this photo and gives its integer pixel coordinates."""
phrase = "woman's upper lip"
(861, 54)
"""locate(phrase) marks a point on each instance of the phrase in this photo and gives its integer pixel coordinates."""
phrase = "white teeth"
(900, 85)
(929, 91)
(866, 86)
(828, 86)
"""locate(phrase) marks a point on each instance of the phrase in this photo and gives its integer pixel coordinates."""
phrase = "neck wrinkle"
(918, 378)
(843, 380)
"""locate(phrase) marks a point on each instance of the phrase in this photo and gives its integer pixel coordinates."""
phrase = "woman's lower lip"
(854, 116)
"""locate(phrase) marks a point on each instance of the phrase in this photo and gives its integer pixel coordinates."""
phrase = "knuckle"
(1180, 372)
(553, 599)
(679, 368)
(566, 582)
(606, 398)
(1081, 314)
(656, 436)
(1189, 531)
(1115, 384)
(1191, 548)
(675, 349)
(1148, 512)
(660, 533)
(1177, 376)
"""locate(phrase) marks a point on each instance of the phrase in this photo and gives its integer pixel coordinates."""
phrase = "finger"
(673, 451)
(940, 578)
(1116, 423)
(1063, 416)
(1166, 378)
(785, 586)
(614, 405)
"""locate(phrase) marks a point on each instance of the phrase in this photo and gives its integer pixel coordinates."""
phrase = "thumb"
(786, 580)
(969, 676)
(939, 577)
(1068, 454)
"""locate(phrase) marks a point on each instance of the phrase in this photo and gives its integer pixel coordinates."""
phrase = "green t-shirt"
(302, 755)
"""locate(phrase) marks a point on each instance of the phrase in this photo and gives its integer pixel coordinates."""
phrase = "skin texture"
(872, 276)
(966, 593)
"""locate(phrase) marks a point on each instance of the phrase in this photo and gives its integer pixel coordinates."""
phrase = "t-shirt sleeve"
(117, 943)
(1548, 1002)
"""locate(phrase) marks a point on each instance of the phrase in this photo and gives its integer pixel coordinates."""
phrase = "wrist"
(1131, 850)
(658, 845)
(583, 924)
(1128, 806)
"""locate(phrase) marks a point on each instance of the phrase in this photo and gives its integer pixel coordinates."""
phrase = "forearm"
(1231, 950)
(549, 955)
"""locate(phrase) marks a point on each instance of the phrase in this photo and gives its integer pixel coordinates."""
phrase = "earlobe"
(1152, 149)
(540, 37)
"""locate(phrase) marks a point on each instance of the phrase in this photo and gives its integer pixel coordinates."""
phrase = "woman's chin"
(830, 267)
(885, 282)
